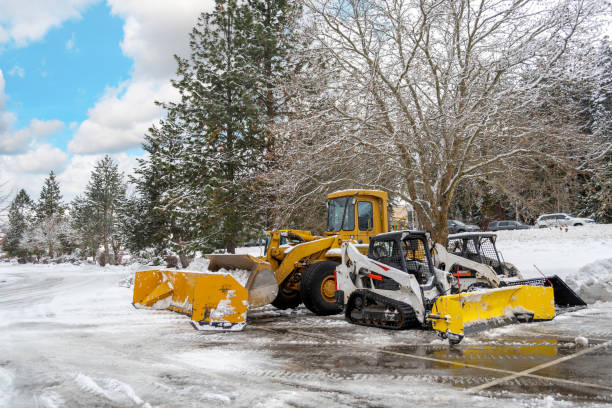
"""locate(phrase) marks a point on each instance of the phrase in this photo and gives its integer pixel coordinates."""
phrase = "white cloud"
(154, 31)
(75, 177)
(23, 22)
(40, 160)
(17, 70)
(18, 141)
(120, 119)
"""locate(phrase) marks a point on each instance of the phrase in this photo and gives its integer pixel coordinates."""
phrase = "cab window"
(335, 212)
(365, 215)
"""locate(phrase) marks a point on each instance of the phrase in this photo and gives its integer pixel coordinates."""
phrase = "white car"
(561, 220)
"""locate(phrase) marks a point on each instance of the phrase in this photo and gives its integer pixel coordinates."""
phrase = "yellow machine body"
(287, 252)
(213, 301)
(456, 315)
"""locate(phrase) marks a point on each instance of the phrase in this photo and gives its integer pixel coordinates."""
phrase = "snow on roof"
(472, 234)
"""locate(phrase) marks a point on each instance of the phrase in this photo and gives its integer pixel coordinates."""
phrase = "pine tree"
(50, 201)
(19, 217)
(105, 196)
(214, 143)
(50, 228)
(85, 224)
(148, 218)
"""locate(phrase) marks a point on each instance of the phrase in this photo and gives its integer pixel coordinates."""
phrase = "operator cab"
(478, 247)
(407, 251)
(356, 215)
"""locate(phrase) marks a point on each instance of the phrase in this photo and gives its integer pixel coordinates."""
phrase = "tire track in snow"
(110, 389)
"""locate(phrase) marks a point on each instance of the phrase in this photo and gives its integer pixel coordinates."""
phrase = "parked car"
(506, 225)
(561, 220)
(455, 226)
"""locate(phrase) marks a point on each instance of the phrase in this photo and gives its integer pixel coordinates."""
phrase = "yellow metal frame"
(475, 311)
(214, 300)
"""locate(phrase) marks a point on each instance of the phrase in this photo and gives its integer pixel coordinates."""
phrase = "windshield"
(456, 222)
(336, 211)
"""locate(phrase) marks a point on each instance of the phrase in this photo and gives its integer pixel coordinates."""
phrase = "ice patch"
(223, 360)
(593, 282)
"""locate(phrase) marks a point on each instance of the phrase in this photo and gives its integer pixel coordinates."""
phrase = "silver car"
(561, 220)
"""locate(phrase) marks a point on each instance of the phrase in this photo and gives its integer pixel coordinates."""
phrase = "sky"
(78, 80)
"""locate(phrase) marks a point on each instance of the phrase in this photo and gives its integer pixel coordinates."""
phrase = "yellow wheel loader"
(297, 267)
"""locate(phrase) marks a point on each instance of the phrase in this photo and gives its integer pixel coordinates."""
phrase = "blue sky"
(66, 72)
(78, 80)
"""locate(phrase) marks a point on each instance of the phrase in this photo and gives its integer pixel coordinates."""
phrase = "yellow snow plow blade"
(260, 280)
(212, 300)
(455, 315)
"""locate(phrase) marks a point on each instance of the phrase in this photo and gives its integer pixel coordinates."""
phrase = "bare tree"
(421, 94)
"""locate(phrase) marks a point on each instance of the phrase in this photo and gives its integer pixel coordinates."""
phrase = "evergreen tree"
(214, 143)
(104, 198)
(50, 201)
(50, 228)
(19, 217)
(84, 221)
(148, 222)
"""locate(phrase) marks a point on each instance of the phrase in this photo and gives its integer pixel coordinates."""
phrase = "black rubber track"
(409, 319)
(310, 288)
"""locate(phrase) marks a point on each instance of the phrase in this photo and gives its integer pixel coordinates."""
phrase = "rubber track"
(410, 320)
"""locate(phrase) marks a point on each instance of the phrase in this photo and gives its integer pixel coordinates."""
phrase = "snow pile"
(200, 264)
(553, 250)
(593, 282)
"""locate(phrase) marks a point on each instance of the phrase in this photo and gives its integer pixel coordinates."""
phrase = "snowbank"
(593, 282)
(555, 251)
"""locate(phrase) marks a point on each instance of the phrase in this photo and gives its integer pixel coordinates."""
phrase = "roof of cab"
(359, 192)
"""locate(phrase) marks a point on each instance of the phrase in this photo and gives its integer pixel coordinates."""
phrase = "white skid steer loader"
(473, 258)
(397, 287)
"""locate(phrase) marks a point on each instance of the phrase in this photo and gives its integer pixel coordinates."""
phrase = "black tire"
(287, 299)
(317, 277)
(578, 225)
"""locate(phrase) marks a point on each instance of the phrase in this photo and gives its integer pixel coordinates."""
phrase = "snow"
(556, 251)
(593, 282)
(69, 336)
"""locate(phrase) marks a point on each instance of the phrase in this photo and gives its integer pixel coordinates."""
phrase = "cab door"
(368, 219)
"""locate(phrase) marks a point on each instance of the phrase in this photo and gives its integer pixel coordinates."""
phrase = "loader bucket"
(453, 316)
(564, 295)
(213, 301)
(259, 279)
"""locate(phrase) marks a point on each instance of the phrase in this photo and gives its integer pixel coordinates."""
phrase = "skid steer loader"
(396, 286)
(473, 258)
(297, 267)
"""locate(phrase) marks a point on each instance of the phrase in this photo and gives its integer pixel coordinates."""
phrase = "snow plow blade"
(564, 295)
(453, 316)
(213, 301)
(260, 280)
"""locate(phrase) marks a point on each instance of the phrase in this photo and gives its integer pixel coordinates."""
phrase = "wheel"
(460, 231)
(578, 225)
(287, 299)
(318, 288)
